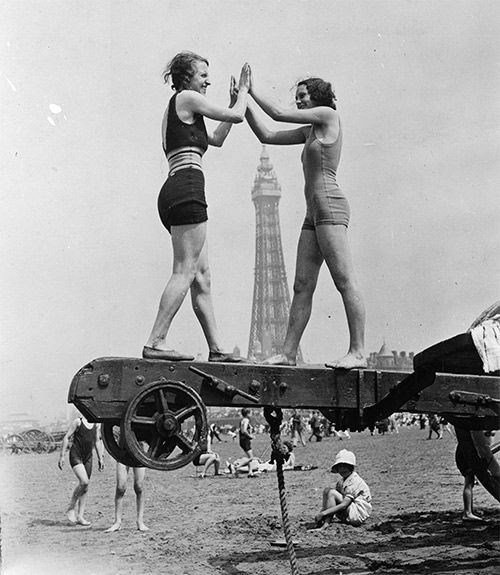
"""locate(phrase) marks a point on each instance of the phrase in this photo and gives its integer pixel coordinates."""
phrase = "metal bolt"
(254, 387)
(139, 379)
(103, 380)
(283, 387)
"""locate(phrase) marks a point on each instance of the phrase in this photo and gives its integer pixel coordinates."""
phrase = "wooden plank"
(102, 388)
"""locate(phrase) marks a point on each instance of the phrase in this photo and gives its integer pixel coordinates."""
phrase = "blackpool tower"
(271, 297)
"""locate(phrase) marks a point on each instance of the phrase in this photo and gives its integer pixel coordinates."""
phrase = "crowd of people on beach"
(349, 501)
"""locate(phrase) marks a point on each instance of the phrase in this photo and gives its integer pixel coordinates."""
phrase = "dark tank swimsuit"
(182, 198)
(83, 443)
(326, 202)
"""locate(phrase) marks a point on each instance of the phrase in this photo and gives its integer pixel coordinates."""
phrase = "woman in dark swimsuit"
(181, 203)
(85, 438)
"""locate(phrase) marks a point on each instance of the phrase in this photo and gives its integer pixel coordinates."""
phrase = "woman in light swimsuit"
(324, 232)
(181, 204)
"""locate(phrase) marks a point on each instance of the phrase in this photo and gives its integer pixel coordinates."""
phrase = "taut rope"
(274, 417)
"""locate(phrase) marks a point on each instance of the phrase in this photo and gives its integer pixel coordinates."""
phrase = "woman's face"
(199, 82)
(302, 98)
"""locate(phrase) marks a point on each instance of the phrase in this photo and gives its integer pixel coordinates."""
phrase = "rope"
(278, 454)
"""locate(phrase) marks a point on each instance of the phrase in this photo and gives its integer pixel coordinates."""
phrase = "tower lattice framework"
(271, 297)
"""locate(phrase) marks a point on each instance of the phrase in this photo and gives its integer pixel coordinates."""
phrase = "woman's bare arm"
(279, 137)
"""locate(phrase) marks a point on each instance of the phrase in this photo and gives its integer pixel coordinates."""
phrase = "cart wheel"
(37, 441)
(112, 437)
(165, 425)
(14, 443)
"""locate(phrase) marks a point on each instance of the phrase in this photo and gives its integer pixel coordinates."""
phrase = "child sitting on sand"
(350, 500)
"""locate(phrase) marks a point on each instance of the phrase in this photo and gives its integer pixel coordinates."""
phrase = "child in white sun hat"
(350, 500)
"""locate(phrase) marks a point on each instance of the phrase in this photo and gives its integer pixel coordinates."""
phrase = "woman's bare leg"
(76, 507)
(334, 246)
(187, 242)
(121, 487)
(201, 299)
(139, 474)
(308, 264)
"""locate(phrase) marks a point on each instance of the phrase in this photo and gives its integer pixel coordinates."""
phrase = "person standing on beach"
(434, 426)
(121, 487)
(246, 436)
(85, 437)
(315, 424)
(296, 428)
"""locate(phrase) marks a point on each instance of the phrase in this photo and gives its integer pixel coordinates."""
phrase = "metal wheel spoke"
(167, 447)
(154, 446)
(143, 420)
(184, 443)
(161, 401)
(186, 412)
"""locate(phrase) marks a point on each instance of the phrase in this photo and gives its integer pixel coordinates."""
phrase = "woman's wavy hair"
(320, 91)
(181, 70)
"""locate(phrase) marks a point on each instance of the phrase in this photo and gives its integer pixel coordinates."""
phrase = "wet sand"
(226, 525)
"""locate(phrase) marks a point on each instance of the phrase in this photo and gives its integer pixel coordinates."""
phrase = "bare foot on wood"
(280, 359)
(349, 361)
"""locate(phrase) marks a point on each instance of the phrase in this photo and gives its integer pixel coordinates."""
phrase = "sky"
(84, 255)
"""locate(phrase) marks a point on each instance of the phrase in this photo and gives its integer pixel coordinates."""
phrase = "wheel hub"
(167, 425)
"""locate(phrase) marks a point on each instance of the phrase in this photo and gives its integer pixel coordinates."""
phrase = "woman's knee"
(304, 285)
(345, 283)
(120, 490)
(202, 280)
(138, 487)
(186, 268)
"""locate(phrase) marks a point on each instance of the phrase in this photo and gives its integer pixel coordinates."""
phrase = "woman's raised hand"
(233, 92)
(250, 79)
(244, 82)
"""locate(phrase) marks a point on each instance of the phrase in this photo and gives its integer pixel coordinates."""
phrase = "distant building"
(390, 360)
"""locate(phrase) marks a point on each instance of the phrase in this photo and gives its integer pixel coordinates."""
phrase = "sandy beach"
(226, 525)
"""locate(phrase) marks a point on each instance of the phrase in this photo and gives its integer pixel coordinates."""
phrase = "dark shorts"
(462, 462)
(182, 199)
(245, 443)
(473, 450)
(75, 458)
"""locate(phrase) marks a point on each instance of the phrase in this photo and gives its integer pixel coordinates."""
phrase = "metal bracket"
(476, 399)
(222, 386)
